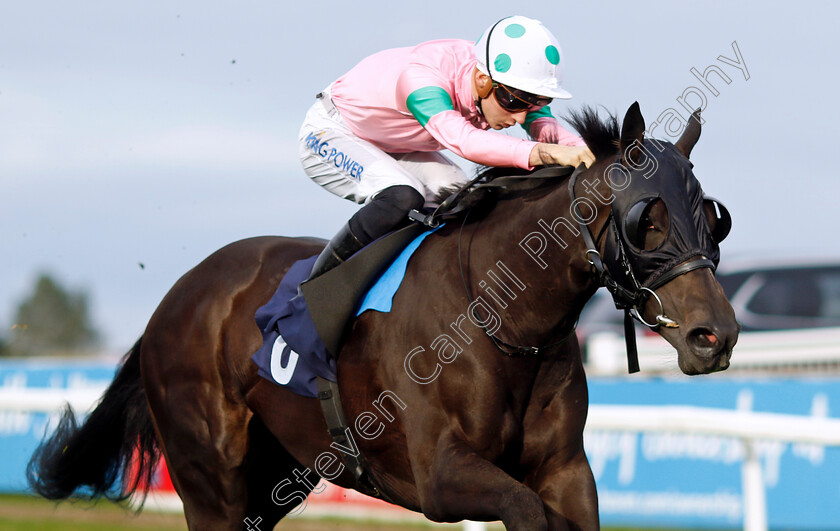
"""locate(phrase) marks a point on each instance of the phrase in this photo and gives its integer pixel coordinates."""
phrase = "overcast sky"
(156, 132)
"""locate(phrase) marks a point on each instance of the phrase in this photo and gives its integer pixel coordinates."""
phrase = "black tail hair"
(116, 442)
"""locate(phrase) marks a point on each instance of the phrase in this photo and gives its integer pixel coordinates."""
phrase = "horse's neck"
(539, 243)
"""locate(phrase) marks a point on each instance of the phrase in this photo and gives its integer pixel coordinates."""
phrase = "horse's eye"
(645, 223)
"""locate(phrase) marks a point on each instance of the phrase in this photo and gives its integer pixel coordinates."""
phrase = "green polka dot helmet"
(522, 54)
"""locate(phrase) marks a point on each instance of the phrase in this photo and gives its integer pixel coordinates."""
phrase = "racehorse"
(467, 400)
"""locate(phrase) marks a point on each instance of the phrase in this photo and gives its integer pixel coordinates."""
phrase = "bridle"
(629, 298)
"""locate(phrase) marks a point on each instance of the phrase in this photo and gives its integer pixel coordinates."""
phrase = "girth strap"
(337, 424)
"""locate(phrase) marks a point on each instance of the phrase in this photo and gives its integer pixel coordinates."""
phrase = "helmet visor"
(515, 100)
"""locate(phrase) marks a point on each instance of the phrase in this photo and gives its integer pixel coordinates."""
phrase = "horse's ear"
(632, 131)
(689, 137)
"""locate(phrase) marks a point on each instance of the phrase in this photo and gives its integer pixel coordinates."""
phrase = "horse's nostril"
(702, 338)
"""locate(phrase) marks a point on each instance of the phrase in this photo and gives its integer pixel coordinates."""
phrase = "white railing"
(748, 427)
(29, 400)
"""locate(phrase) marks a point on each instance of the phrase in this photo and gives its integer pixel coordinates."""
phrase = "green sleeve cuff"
(426, 102)
(543, 112)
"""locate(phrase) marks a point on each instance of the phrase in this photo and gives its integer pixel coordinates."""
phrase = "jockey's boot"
(386, 211)
(341, 247)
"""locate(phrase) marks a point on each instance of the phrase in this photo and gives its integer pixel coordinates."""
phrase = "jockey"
(375, 135)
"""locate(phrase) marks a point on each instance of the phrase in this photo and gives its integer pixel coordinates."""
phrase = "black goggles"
(515, 100)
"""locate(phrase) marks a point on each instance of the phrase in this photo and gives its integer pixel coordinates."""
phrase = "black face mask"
(689, 234)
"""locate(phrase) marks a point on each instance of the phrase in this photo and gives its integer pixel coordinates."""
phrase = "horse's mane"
(601, 135)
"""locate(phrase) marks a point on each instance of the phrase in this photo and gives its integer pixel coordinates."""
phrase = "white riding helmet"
(522, 54)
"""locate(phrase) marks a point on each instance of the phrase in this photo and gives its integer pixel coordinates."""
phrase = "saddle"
(332, 298)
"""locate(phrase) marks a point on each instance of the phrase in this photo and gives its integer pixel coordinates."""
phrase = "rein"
(452, 206)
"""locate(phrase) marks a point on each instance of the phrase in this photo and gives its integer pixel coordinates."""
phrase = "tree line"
(50, 320)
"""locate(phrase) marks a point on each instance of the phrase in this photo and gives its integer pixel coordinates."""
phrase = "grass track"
(27, 513)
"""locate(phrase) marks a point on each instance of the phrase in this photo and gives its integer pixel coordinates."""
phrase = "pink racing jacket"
(420, 99)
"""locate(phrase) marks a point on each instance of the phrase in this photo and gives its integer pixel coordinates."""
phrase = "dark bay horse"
(448, 424)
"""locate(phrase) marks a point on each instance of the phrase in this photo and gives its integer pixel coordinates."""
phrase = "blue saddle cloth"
(292, 353)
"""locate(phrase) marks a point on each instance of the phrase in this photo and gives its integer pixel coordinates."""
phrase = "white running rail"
(748, 427)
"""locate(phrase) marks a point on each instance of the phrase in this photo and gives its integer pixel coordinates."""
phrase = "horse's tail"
(116, 443)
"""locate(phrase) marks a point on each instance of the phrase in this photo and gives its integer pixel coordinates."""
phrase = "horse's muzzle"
(710, 348)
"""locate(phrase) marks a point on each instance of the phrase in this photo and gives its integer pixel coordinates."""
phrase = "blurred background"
(138, 138)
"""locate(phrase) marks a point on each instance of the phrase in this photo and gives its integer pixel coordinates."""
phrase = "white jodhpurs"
(355, 169)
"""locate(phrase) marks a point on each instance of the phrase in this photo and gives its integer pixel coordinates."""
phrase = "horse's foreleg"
(567, 489)
(459, 484)
(553, 446)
